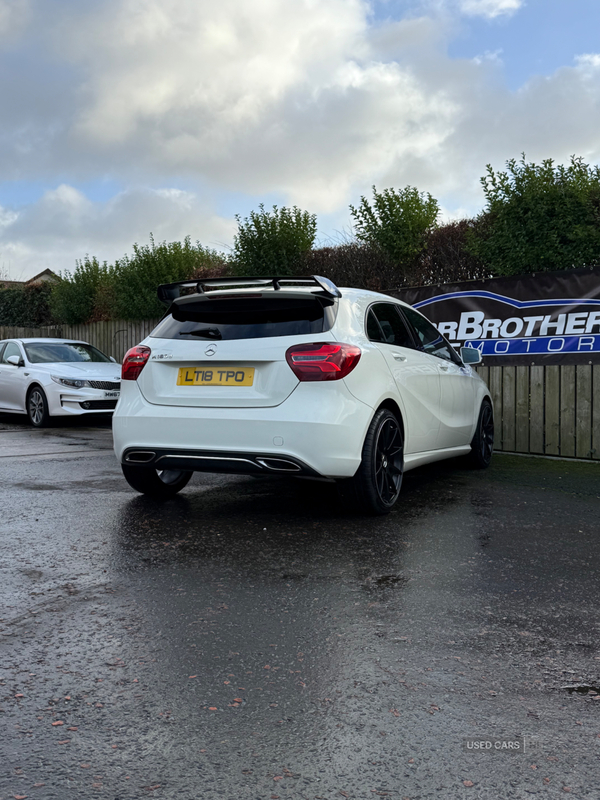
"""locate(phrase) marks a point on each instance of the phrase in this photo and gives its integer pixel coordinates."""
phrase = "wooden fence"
(552, 411)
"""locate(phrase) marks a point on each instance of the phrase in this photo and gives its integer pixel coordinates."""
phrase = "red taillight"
(134, 362)
(322, 361)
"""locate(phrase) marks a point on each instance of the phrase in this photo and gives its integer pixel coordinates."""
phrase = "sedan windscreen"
(58, 352)
(254, 316)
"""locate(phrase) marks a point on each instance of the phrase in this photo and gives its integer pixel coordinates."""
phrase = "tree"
(127, 289)
(539, 217)
(447, 257)
(136, 278)
(74, 297)
(274, 242)
(353, 264)
(396, 222)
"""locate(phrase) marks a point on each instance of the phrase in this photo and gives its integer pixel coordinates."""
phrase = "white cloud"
(292, 94)
(494, 56)
(307, 101)
(589, 64)
(187, 73)
(64, 225)
(14, 14)
(7, 217)
(489, 8)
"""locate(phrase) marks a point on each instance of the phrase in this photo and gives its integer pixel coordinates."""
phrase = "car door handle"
(444, 367)
(399, 357)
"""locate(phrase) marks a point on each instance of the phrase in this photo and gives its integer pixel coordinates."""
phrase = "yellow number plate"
(215, 375)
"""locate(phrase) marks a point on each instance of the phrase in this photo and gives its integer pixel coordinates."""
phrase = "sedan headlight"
(71, 383)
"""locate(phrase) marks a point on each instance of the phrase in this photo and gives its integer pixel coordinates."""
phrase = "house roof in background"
(46, 276)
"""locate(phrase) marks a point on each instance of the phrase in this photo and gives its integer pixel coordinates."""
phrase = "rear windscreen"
(250, 317)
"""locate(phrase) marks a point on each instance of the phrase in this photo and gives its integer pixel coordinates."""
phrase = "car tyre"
(482, 444)
(375, 487)
(158, 483)
(37, 408)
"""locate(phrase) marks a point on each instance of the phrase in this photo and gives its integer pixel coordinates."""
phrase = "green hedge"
(134, 279)
(539, 217)
(273, 242)
(27, 306)
(74, 298)
(127, 288)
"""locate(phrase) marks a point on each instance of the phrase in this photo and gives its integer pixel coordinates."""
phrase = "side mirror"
(470, 355)
(114, 360)
(16, 361)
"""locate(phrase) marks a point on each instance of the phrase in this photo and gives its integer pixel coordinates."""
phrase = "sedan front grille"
(110, 386)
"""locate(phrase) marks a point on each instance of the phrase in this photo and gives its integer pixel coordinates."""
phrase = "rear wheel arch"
(392, 406)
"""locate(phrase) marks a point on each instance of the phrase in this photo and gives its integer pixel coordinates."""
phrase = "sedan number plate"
(216, 375)
(112, 394)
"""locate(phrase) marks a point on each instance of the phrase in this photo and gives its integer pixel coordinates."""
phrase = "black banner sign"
(544, 318)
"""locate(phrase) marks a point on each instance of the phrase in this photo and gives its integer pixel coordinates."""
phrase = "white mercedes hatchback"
(293, 376)
(46, 378)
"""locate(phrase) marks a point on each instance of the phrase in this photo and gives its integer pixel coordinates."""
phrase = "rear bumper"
(218, 461)
(319, 428)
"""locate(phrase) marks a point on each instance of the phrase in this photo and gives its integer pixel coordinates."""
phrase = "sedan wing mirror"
(16, 361)
(470, 355)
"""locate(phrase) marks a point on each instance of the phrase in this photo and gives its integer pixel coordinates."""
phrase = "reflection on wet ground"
(252, 639)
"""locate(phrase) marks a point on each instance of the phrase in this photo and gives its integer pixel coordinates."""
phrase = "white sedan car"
(46, 378)
(293, 376)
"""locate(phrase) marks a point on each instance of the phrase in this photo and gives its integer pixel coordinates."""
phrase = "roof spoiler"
(167, 292)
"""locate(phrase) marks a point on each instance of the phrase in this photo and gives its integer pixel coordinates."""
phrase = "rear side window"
(384, 324)
(255, 316)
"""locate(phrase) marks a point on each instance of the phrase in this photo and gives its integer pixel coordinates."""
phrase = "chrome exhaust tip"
(139, 456)
(278, 465)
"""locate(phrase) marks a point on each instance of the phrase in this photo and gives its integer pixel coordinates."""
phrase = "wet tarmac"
(254, 640)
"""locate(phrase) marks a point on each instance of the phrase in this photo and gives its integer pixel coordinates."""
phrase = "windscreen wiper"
(206, 333)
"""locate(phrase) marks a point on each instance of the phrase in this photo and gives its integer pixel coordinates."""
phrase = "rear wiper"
(206, 333)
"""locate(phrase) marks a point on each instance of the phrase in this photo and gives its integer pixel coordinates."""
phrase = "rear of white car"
(272, 401)
(283, 376)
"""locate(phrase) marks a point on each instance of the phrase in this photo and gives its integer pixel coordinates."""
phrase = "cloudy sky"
(125, 117)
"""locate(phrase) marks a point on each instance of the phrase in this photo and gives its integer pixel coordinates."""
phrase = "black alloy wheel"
(37, 408)
(376, 485)
(389, 461)
(159, 483)
(482, 444)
